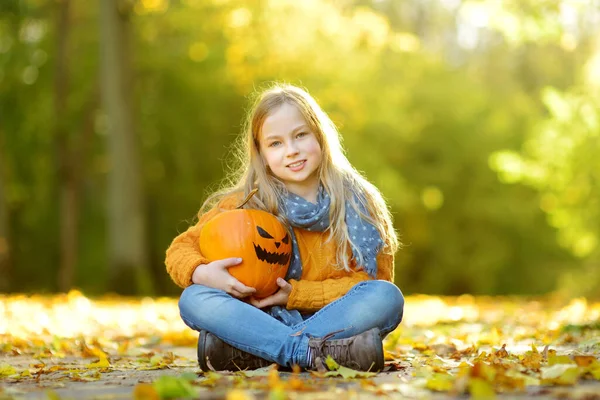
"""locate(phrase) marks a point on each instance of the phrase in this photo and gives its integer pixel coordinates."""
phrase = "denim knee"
(193, 304)
(388, 300)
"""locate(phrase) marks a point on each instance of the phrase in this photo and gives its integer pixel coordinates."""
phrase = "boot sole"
(201, 346)
(379, 362)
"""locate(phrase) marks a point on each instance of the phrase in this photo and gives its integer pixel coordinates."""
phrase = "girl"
(337, 298)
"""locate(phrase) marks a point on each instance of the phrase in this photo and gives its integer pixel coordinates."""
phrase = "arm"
(183, 255)
(314, 295)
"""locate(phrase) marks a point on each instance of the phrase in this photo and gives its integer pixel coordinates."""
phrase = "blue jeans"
(367, 305)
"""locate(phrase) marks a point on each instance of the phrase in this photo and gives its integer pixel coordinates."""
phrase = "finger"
(240, 287)
(237, 294)
(262, 303)
(230, 262)
(256, 303)
(282, 283)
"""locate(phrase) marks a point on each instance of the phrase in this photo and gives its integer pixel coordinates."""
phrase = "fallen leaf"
(254, 373)
(169, 387)
(7, 370)
(237, 394)
(481, 389)
(532, 359)
(332, 365)
(101, 363)
(145, 391)
(553, 360)
(52, 395)
(440, 382)
(502, 353)
(561, 374)
(584, 361)
(349, 373)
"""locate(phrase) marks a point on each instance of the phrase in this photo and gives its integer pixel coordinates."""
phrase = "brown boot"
(215, 354)
(362, 352)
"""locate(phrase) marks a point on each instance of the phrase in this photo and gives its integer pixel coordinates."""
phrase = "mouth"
(271, 258)
(297, 164)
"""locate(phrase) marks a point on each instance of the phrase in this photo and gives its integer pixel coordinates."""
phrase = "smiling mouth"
(296, 164)
(271, 258)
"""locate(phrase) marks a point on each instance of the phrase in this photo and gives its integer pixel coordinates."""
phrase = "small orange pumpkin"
(258, 238)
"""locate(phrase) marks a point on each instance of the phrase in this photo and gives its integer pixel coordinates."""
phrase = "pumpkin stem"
(247, 199)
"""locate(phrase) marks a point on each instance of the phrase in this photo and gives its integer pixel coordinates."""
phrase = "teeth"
(296, 164)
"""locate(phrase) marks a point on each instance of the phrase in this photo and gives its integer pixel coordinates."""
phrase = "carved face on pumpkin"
(262, 242)
(271, 257)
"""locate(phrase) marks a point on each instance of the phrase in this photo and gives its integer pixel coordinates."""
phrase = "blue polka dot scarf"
(365, 239)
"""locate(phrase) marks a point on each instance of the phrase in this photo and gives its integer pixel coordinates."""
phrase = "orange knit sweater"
(321, 282)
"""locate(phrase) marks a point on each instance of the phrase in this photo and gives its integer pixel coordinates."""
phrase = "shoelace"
(340, 351)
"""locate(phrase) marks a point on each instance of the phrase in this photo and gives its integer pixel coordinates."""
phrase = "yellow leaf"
(527, 379)
(553, 360)
(102, 363)
(7, 370)
(561, 374)
(274, 378)
(420, 346)
(483, 371)
(296, 383)
(210, 379)
(570, 377)
(532, 359)
(349, 373)
(534, 349)
(440, 382)
(254, 373)
(145, 391)
(238, 394)
(278, 394)
(174, 387)
(52, 395)
(481, 389)
(331, 363)
(388, 356)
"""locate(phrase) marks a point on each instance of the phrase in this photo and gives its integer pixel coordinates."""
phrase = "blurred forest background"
(479, 121)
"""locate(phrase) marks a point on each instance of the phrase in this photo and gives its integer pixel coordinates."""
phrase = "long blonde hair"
(339, 178)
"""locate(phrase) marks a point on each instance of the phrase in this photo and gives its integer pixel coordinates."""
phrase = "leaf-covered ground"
(69, 346)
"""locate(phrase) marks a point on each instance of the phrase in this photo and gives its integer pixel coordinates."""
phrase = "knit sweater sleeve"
(183, 255)
(314, 295)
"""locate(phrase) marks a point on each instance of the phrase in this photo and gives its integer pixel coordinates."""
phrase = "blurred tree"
(69, 199)
(5, 267)
(128, 255)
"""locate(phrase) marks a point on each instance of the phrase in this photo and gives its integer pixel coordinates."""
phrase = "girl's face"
(291, 151)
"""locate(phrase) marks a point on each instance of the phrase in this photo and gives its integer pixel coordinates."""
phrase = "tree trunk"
(69, 199)
(5, 270)
(126, 224)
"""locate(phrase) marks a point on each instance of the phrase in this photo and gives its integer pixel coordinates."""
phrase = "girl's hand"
(280, 298)
(215, 275)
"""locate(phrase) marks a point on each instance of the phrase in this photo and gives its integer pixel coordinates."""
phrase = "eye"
(274, 144)
(301, 134)
(286, 239)
(263, 233)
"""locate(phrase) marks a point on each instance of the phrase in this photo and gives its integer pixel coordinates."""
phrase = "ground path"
(73, 347)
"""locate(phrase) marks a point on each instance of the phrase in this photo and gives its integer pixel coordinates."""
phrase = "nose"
(292, 149)
(277, 244)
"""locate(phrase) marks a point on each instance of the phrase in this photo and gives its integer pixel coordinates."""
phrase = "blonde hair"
(339, 178)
